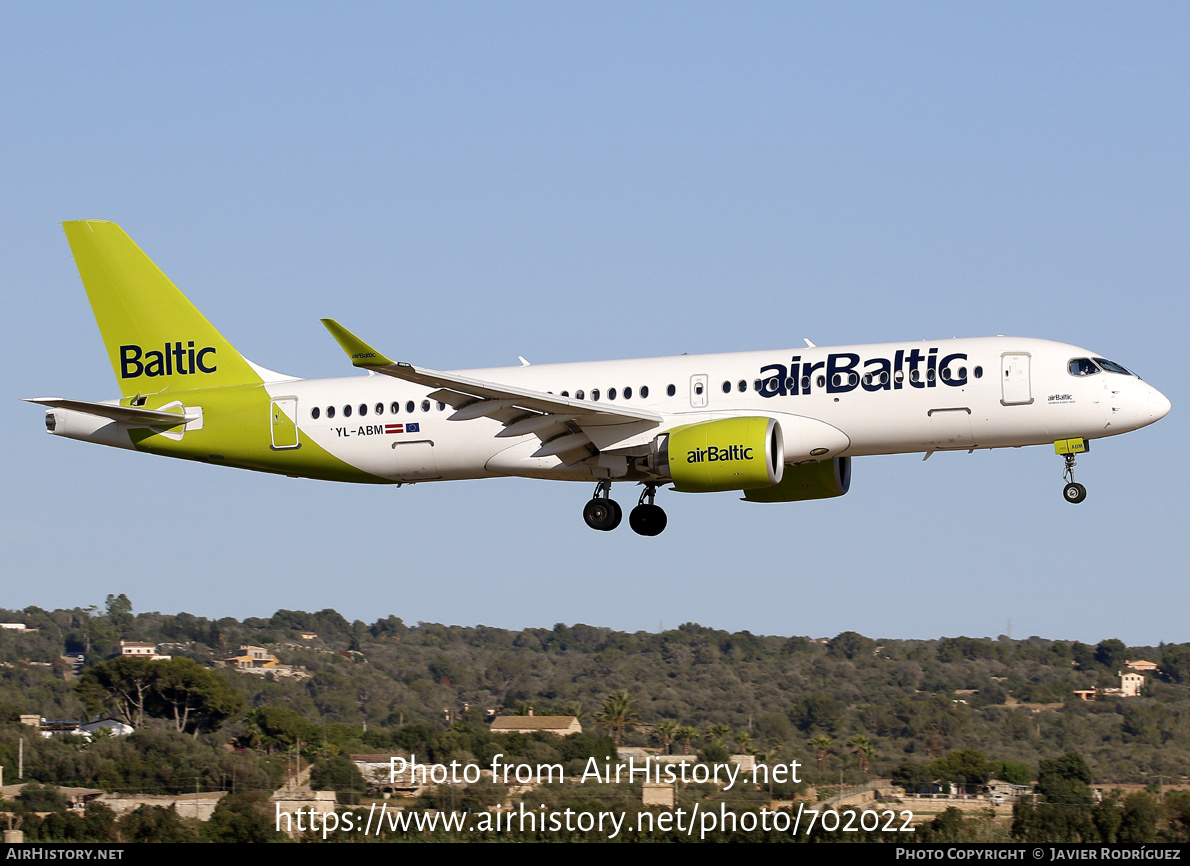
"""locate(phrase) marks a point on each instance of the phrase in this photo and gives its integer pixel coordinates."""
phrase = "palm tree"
(822, 747)
(619, 712)
(864, 752)
(574, 708)
(718, 732)
(665, 730)
(744, 741)
(686, 734)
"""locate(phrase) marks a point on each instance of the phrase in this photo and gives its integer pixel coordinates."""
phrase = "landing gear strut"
(1073, 492)
(603, 512)
(647, 518)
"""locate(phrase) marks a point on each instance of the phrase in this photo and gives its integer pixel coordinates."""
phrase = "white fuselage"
(954, 394)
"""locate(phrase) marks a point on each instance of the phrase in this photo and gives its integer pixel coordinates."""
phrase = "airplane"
(776, 426)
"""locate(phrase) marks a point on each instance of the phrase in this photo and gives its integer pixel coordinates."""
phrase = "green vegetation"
(961, 710)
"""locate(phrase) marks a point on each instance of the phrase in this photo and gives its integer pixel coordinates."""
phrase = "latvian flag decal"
(402, 428)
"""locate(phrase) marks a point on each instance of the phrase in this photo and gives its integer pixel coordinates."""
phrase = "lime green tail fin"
(155, 338)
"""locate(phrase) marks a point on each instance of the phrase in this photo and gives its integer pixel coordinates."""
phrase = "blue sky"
(463, 183)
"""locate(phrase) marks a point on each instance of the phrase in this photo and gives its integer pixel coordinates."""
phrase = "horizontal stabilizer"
(130, 415)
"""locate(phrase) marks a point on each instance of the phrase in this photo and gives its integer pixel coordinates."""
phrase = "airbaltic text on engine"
(711, 454)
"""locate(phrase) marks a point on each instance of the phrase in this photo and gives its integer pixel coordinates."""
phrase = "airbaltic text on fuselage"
(174, 358)
(846, 371)
(711, 454)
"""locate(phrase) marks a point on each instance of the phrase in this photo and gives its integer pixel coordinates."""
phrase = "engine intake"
(728, 454)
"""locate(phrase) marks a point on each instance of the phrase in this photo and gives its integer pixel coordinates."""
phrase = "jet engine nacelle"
(808, 481)
(728, 454)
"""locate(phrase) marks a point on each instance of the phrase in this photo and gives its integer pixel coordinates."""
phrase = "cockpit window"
(1113, 367)
(1083, 367)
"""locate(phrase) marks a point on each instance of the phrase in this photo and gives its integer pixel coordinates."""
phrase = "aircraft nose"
(1159, 404)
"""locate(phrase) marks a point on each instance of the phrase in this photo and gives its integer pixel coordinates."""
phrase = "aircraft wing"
(571, 429)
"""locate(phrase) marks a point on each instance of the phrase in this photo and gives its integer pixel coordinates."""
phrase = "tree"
(1110, 652)
(664, 732)
(340, 775)
(243, 818)
(1013, 772)
(196, 698)
(913, 777)
(816, 712)
(123, 686)
(822, 747)
(964, 767)
(718, 732)
(119, 614)
(619, 712)
(864, 752)
(851, 644)
(685, 735)
(1065, 780)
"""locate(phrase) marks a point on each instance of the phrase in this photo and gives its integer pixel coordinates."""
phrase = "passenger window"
(962, 372)
(363, 409)
(644, 392)
(395, 408)
(565, 393)
(330, 411)
(698, 388)
(914, 375)
(899, 376)
(930, 375)
(314, 413)
(756, 385)
(611, 393)
(580, 395)
(883, 377)
(670, 390)
(425, 405)
(979, 372)
(741, 386)
(806, 384)
(822, 381)
(347, 411)
(379, 408)
(946, 374)
(628, 393)
(726, 387)
(441, 407)
(410, 406)
(595, 394)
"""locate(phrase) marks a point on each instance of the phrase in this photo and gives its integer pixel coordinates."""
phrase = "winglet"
(360, 353)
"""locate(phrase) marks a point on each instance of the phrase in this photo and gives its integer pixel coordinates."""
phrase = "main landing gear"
(1073, 492)
(647, 518)
(604, 513)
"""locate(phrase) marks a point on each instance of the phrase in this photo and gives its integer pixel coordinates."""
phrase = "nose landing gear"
(1072, 492)
(603, 512)
(648, 519)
